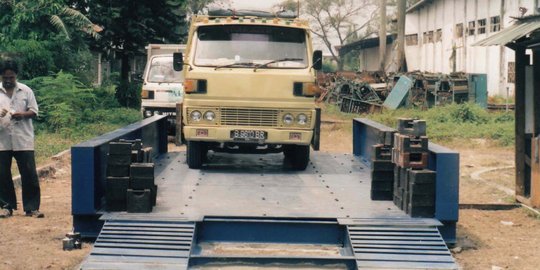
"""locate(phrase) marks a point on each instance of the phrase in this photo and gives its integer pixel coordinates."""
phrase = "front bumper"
(223, 134)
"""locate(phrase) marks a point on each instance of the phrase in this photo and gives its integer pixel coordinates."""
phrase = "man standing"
(17, 102)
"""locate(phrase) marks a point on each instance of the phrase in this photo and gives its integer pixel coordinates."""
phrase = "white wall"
(444, 15)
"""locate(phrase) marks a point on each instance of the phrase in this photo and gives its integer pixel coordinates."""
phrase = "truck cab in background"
(162, 86)
(250, 86)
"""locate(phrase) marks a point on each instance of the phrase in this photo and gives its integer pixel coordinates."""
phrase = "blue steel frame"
(88, 165)
(444, 161)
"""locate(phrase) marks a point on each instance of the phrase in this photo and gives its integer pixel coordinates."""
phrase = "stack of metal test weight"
(414, 185)
(130, 182)
(382, 168)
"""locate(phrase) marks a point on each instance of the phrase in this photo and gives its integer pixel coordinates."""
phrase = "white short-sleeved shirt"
(18, 135)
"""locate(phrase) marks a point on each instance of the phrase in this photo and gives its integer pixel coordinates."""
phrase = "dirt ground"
(503, 239)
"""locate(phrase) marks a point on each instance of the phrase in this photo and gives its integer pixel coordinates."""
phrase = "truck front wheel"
(196, 153)
(297, 156)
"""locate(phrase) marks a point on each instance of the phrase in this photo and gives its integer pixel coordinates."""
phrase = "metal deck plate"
(333, 186)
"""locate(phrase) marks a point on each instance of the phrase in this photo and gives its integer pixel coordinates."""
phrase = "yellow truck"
(249, 86)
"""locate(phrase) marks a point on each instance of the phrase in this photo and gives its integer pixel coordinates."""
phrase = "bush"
(62, 100)
(34, 57)
(455, 121)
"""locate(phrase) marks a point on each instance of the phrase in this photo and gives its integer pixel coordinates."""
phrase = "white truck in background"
(162, 86)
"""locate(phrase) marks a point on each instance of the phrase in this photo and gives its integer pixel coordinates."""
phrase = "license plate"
(249, 135)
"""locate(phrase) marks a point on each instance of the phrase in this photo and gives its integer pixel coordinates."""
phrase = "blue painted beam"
(88, 167)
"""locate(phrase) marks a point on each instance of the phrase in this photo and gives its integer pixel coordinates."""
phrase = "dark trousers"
(31, 193)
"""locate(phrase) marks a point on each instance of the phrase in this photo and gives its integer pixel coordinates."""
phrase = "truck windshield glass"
(219, 46)
(161, 71)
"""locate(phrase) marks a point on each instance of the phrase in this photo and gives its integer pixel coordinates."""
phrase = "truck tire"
(196, 153)
(297, 156)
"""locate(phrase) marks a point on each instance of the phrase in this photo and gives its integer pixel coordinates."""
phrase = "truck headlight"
(209, 116)
(196, 116)
(301, 119)
(288, 119)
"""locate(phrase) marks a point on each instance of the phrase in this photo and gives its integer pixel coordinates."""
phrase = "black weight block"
(119, 148)
(382, 186)
(382, 176)
(382, 165)
(408, 144)
(136, 156)
(422, 189)
(397, 169)
(403, 178)
(397, 201)
(147, 154)
(135, 144)
(422, 176)
(421, 211)
(118, 170)
(377, 195)
(116, 188)
(142, 170)
(141, 182)
(421, 200)
(154, 195)
(412, 127)
(115, 193)
(139, 201)
(119, 160)
(381, 152)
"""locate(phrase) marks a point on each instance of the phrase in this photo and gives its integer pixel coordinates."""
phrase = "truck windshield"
(226, 45)
(161, 71)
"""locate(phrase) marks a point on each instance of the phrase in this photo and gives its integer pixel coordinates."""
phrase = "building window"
(430, 37)
(438, 35)
(458, 30)
(471, 29)
(482, 26)
(511, 72)
(495, 23)
(411, 40)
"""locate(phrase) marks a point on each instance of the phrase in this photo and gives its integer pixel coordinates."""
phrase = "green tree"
(42, 19)
(331, 21)
(128, 26)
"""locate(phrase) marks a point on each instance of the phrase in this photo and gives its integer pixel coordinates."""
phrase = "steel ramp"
(142, 244)
(399, 244)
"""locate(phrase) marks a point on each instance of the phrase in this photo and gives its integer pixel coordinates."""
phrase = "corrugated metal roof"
(510, 34)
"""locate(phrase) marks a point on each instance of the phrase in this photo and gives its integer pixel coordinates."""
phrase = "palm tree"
(27, 17)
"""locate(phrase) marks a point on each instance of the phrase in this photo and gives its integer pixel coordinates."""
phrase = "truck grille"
(249, 117)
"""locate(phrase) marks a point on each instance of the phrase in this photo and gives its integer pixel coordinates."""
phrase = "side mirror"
(178, 61)
(317, 60)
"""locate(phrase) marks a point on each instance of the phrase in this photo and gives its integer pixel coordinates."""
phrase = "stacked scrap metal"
(130, 177)
(353, 92)
(435, 89)
(414, 185)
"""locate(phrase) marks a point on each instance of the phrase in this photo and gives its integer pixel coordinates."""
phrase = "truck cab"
(162, 85)
(250, 87)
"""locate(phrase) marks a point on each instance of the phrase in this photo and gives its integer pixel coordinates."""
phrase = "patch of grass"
(448, 123)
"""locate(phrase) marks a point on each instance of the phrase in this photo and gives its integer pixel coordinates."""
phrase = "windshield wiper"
(276, 61)
(239, 64)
